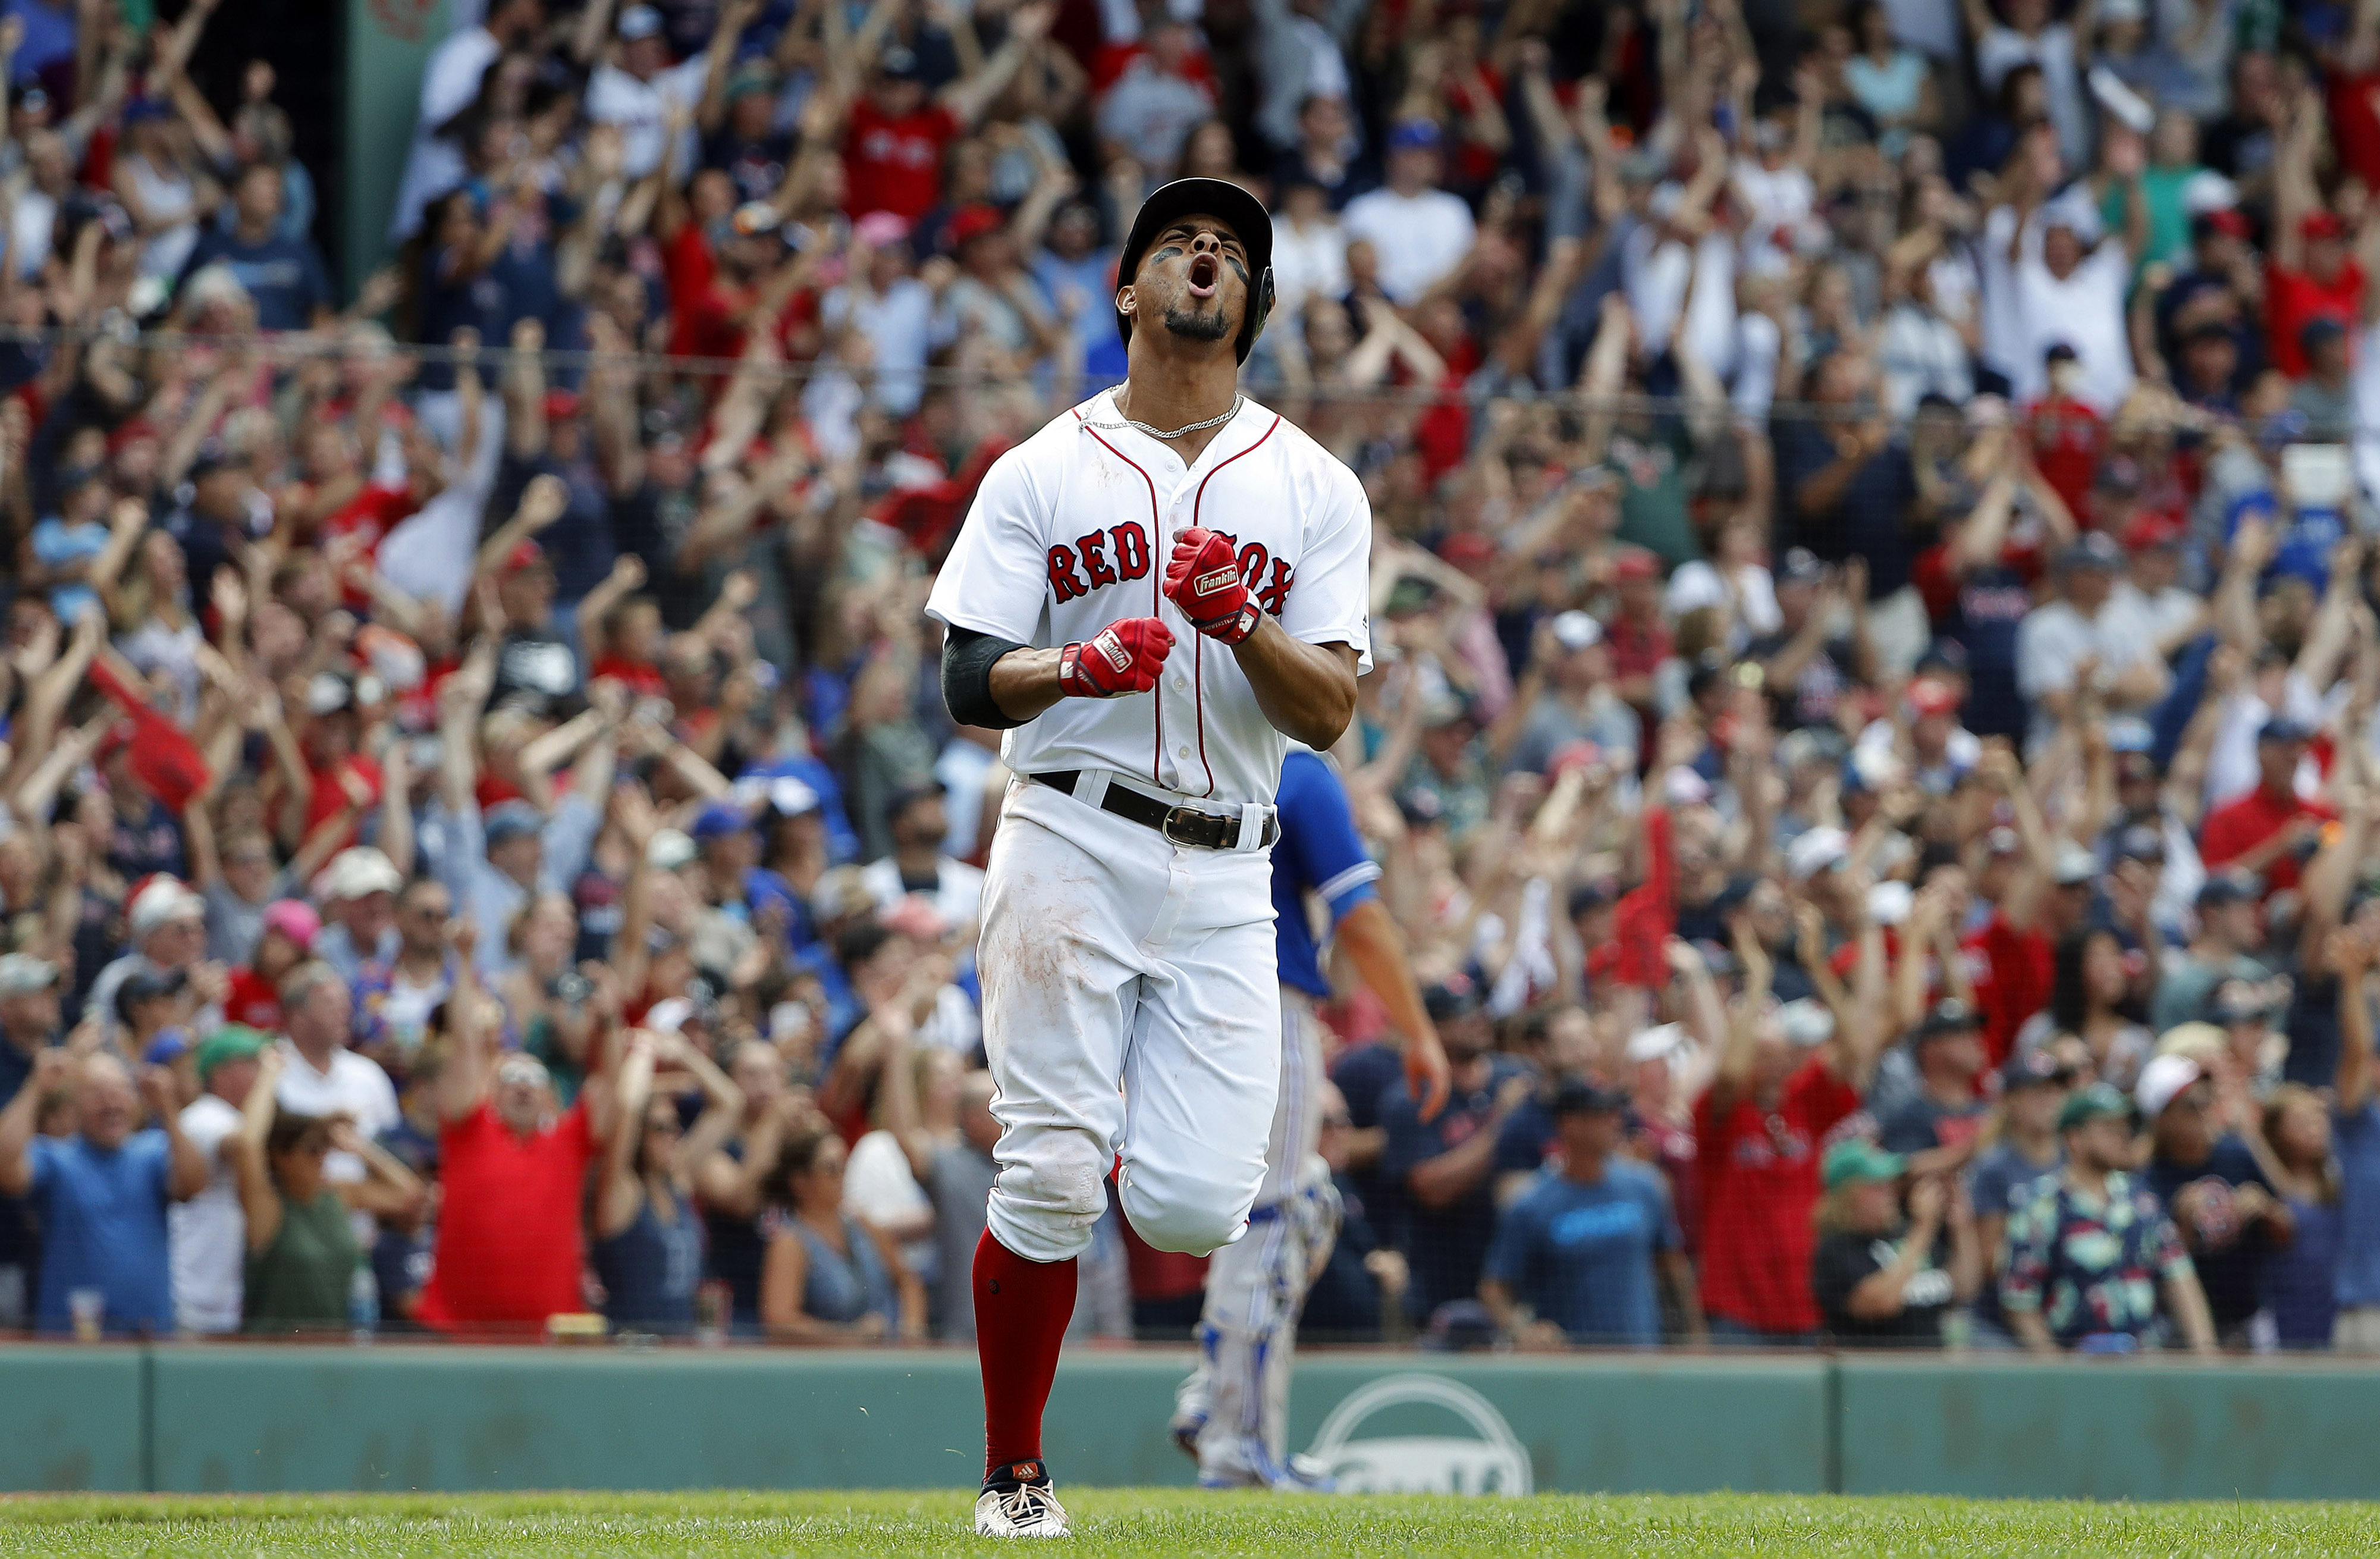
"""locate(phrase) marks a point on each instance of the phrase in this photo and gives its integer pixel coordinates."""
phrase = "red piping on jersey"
(1197, 668)
(1156, 578)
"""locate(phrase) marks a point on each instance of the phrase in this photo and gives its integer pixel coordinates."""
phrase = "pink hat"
(295, 919)
(879, 228)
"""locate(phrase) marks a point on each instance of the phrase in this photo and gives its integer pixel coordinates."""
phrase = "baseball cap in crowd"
(2003, 841)
(22, 974)
(1576, 630)
(2072, 865)
(898, 63)
(1420, 807)
(881, 229)
(2229, 222)
(1818, 849)
(2033, 1068)
(1943, 655)
(1634, 563)
(2151, 530)
(148, 985)
(1657, 1042)
(169, 1046)
(751, 75)
(2318, 332)
(2098, 1102)
(163, 901)
(295, 919)
(2197, 1039)
(2092, 549)
(1948, 1016)
(1456, 997)
(2225, 887)
(508, 821)
(1806, 1021)
(639, 21)
(718, 821)
(972, 222)
(1577, 1096)
(2321, 225)
(1931, 695)
(2061, 351)
(2161, 1081)
(2129, 733)
(526, 554)
(1856, 1158)
(1888, 902)
(232, 1043)
(1801, 568)
(1415, 135)
(670, 849)
(2238, 1001)
(670, 1014)
(2142, 841)
(358, 872)
(2281, 728)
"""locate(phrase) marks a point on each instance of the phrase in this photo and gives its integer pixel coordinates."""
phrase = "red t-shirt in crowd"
(330, 795)
(2067, 438)
(2011, 969)
(896, 164)
(2294, 300)
(252, 1001)
(2237, 827)
(509, 1250)
(2355, 124)
(1759, 1188)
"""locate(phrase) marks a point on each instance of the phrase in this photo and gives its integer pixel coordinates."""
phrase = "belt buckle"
(1184, 816)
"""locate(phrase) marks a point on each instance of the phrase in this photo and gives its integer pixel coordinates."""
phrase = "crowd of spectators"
(1872, 750)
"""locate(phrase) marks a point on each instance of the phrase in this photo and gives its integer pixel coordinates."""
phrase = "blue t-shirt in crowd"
(2300, 1279)
(1318, 853)
(102, 1214)
(1444, 1245)
(285, 276)
(2230, 1272)
(1582, 1255)
(2355, 1136)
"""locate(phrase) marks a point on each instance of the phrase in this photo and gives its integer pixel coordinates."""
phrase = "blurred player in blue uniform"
(1232, 1413)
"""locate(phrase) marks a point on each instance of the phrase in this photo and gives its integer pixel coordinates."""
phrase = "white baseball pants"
(1130, 1008)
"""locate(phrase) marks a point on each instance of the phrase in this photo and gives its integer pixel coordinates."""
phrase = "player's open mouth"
(1205, 271)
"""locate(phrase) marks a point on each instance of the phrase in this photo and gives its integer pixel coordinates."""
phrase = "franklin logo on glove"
(1203, 579)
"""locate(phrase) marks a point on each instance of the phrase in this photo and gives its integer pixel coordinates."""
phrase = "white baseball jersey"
(1071, 532)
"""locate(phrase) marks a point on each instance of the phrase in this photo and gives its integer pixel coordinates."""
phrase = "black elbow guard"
(968, 660)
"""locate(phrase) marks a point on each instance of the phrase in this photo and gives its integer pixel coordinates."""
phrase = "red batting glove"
(1203, 579)
(1125, 657)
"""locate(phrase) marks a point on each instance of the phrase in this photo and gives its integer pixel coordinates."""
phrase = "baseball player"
(1151, 596)
(1232, 1412)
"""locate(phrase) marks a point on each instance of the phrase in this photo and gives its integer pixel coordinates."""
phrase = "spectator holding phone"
(1874, 1273)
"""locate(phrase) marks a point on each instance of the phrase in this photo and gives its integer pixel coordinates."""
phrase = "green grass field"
(1168, 1522)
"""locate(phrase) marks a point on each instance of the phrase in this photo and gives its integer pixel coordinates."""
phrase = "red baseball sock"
(1021, 1311)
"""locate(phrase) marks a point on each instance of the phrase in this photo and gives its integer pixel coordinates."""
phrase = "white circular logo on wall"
(1493, 1463)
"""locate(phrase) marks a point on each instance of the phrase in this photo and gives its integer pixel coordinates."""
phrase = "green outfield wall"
(259, 1418)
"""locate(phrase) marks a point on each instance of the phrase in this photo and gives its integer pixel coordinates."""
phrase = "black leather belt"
(1183, 825)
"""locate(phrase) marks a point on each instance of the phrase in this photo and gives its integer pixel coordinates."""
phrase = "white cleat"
(1026, 1510)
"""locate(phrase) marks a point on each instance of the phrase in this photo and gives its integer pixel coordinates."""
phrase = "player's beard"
(1199, 324)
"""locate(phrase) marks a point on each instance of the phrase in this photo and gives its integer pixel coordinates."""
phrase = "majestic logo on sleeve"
(1115, 556)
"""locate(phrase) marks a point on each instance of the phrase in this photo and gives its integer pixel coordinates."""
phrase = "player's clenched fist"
(1203, 579)
(1125, 657)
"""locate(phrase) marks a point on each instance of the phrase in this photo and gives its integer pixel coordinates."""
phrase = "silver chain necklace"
(1237, 401)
